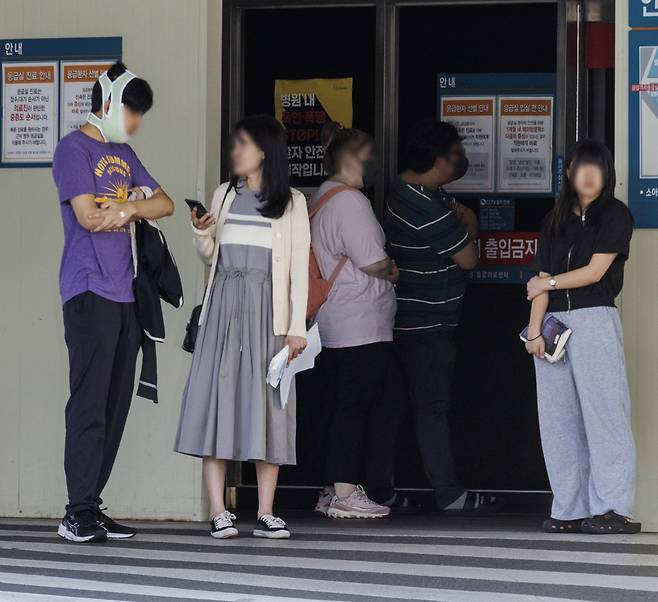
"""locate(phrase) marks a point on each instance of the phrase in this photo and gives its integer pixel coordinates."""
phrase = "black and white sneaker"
(221, 526)
(272, 527)
(113, 529)
(82, 527)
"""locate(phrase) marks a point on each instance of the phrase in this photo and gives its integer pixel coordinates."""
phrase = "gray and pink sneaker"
(356, 505)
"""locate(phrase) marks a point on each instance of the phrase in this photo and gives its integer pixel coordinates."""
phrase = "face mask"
(370, 171)
(461, 167)
(112, 124)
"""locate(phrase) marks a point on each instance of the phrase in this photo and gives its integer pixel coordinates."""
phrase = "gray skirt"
(228, 410)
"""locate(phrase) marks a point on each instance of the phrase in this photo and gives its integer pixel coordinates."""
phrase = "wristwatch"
(552, 283)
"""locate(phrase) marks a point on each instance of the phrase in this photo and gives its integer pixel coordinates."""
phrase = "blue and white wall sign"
(45, 92)
(643, 13)
(507, 126)
(643, 128)
(496, 214)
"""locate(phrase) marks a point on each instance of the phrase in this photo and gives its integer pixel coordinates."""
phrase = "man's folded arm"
(83, 206)
(155, 207)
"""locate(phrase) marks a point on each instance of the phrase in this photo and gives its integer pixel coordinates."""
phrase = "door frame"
(570, 99)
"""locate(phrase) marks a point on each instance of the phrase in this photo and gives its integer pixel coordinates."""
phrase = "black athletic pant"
(424, 368)
(357, 377)
(103, 339)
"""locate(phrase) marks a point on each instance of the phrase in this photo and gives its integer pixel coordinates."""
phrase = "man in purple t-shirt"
(98, 176)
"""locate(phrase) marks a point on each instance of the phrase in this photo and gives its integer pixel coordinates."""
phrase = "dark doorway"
(494, 419)
(495, 431)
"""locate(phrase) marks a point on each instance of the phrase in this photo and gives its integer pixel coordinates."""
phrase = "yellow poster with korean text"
(303, 106)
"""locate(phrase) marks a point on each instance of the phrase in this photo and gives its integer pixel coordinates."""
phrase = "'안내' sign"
(303, 106)
(45, 93)
(29, 110)
(77, 81)
(525, 147)
(473, 116)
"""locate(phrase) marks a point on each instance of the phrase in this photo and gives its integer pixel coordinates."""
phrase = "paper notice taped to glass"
(280, 373)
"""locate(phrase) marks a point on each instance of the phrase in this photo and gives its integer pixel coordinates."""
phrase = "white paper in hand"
(277, 365)
(281, 374)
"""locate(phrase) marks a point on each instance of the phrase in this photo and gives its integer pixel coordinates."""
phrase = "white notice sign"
(29, 112)
(473, 116)
(77, 81)
(525, 143)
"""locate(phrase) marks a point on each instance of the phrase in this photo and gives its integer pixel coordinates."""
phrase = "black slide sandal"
(610, 523)
(553, 525)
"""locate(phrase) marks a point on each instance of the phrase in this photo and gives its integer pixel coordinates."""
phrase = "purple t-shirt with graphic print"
(100, 262)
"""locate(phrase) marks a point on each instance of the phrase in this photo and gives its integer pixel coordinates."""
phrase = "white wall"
(175, 45)
(639, 303)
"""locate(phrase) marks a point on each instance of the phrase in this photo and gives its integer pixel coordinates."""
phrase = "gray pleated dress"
(228, 410)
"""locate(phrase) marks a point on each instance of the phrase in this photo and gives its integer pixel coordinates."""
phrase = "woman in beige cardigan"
(256, 241)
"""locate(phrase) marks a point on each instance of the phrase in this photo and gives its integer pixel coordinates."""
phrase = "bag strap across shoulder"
(322, 201)
(325, 198)
(337, 269)
(228, 189)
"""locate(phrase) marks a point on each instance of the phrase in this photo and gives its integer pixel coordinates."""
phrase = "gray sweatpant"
(584, 419)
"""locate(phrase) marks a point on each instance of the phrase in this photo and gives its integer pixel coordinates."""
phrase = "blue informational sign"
(45, 92)
(643, 128)
(643, 13)
(508, 130)
(506, 122)
(59, 48)
(496, 214)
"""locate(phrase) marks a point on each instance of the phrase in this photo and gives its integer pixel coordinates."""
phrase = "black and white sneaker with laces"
(82, 527)
(272, 527)
(221, 526)
(113, 529)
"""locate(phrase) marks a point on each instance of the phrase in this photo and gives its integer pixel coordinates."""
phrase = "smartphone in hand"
(200, 209)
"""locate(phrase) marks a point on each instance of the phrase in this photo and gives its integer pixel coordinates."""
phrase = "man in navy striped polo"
(433, 240)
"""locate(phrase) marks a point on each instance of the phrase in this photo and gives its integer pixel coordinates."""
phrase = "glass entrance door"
(395, 52)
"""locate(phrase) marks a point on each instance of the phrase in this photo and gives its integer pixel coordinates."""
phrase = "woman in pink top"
(356, 322)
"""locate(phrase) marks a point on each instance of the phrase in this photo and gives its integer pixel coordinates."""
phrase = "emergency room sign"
(29, 112)
(525, 143)
(473, 116)
(77, 81)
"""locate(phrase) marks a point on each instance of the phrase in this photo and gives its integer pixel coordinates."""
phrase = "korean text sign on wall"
(45, 93)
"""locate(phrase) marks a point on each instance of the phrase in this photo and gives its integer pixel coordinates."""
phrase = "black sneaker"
(113, 529)
(401, 505)
(82, 527)
(271, 527)
(222, 527)
(476, 503)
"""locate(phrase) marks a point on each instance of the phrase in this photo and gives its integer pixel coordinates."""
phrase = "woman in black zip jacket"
(583, 401)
